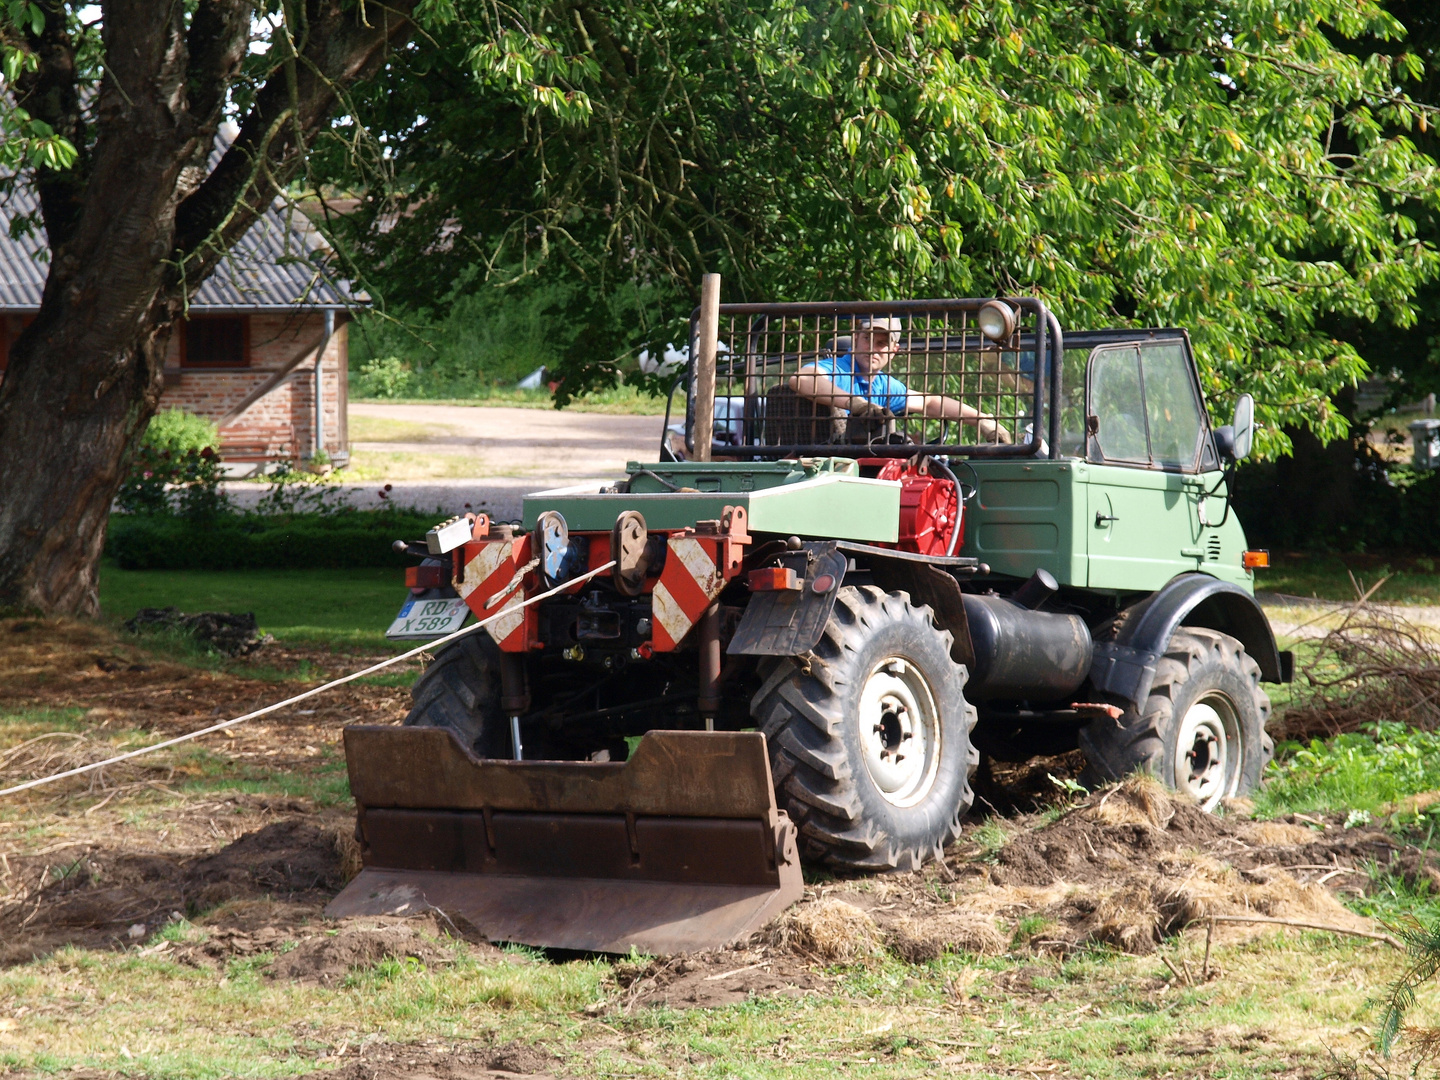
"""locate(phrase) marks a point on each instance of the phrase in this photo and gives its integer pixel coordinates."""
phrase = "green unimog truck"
(889, 536)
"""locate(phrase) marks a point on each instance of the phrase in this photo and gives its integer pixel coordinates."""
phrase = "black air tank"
(1021, 654)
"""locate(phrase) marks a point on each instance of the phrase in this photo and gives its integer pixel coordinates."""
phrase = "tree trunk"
(130, 241)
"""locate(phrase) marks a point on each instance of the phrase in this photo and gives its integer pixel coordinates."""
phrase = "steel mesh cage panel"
(877, 379)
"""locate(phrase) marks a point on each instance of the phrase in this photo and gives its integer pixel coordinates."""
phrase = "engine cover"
(930, 510)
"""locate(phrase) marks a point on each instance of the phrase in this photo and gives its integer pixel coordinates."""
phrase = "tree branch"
(340, 46)
(51, 93)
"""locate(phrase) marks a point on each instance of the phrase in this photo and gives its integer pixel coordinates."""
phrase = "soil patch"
(326, 957)
(718, 977)
(396, 1062)
(100, 897)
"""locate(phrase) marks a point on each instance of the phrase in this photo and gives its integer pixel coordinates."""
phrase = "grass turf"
(1410, 579)
(340, 608)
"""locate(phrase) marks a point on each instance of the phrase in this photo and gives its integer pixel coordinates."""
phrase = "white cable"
(309, 693)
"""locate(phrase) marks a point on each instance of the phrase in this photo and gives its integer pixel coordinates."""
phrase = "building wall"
(282, 423)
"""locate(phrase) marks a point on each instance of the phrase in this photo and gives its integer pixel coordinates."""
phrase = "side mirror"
(1244, 427)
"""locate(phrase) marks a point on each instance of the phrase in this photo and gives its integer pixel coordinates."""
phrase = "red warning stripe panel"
(489, 585)
(690, 581)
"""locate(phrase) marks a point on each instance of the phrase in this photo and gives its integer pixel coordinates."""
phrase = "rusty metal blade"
(679, 848)
(592, 914)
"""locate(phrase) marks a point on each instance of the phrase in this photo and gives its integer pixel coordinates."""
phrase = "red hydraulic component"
(930, 510)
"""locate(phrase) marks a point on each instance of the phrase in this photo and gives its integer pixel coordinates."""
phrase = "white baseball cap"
(878, 322)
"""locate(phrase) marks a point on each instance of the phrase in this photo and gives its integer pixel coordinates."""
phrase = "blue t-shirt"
(877, 388)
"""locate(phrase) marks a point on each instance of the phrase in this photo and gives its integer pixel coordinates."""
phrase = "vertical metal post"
(708, 334)
(514, 696)
(320, 381)
(709, 697)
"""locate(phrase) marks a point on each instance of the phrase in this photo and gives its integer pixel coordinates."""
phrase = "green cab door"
(1147, 451)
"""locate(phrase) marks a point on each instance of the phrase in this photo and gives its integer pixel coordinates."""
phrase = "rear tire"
(460, 690)
(869, 735)
(1202, 731)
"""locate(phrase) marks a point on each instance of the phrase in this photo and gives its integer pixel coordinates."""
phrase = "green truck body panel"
(820, 497)
(1105, 527)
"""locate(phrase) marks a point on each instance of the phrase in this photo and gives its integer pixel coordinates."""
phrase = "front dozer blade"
(678, 849)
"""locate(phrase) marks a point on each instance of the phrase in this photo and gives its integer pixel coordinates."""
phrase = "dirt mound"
(1127, 867)
(394, 1062)
(711, 979)
(103, 898)
(326, 958)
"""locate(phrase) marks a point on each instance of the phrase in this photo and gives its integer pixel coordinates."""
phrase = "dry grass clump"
(1140, 800)
(830, 931)
(347, 847)
(920, 940)
(1153, 904)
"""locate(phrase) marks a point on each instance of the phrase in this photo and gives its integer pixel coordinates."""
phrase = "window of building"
(215, 341)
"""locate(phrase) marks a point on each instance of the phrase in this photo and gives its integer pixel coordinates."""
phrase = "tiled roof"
(279, 263)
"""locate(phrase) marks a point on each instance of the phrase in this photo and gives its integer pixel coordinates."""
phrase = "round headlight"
(996, 320)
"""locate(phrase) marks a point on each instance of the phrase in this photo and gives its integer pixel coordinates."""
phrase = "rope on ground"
(308, 693)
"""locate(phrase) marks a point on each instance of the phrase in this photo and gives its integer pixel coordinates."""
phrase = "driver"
(857, 383)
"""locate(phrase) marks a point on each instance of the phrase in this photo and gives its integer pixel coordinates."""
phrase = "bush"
(259, 542)
(490, 338)
(176, 468)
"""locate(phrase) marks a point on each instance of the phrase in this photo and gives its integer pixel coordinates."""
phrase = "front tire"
(869, 735)
(1202, 730)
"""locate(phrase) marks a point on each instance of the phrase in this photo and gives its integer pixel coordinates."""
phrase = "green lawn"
(332, 607)
(1411, 579)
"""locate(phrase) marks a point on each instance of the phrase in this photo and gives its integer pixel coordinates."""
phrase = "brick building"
(246, 357)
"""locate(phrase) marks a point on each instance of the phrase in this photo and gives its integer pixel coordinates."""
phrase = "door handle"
(1101, 518)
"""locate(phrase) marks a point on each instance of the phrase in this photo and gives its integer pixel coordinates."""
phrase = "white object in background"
(672, 361)
(1425, 436)
(532, 381)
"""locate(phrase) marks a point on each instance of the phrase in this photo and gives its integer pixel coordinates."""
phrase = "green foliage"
(261, 541)
(1219, 166)
(176, 468)
(485, 339)
(1342, 498)
(181, 432)
(1354, 772)
(1421, 937)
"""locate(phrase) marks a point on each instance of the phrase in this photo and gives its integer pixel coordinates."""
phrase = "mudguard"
(1125, 667)
(788, 622)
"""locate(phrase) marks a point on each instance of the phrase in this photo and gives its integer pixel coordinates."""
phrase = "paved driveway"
(508, 452)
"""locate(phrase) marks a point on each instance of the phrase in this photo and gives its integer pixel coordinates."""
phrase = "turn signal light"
(773, 578)
(1256, 560)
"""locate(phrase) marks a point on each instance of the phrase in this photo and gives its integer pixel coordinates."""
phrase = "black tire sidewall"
(911, 827)
(1211, 675)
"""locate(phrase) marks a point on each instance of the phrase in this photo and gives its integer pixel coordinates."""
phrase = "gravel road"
(512, 451)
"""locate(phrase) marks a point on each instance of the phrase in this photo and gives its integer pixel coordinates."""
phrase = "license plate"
(428, 619)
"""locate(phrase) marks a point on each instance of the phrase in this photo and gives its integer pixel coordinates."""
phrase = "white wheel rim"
(899, 731)
(1205, 765)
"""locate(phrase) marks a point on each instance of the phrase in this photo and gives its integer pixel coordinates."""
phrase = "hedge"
(255, 542)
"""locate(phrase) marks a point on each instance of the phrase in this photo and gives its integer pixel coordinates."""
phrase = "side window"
(1170, 406)
(1118, 401)
(1072, 405)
